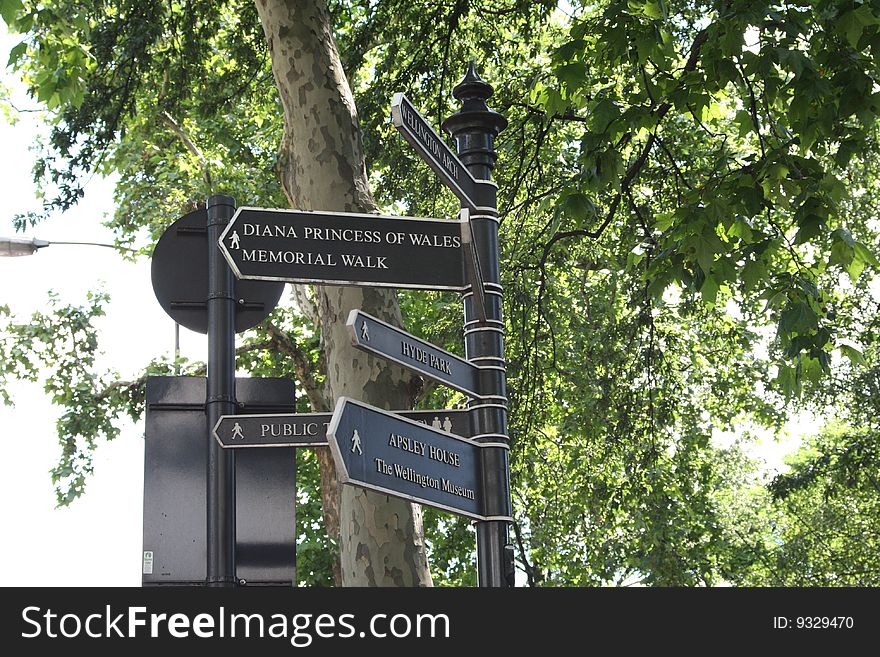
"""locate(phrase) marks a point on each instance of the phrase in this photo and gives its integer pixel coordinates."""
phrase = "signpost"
(422, 461)
(391, 454)
(339, 248)
(310, 429)
(375, 336)
(475, 194)
(220, 400)
(474, 127)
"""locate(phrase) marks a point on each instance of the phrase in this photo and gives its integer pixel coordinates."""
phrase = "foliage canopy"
(688, 193)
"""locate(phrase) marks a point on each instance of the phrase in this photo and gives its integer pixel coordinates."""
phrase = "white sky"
(96, 541)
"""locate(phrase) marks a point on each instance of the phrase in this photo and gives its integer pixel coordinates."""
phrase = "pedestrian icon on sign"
(234, 240)
(356, 443)
(365, 332)
(447, 424)
(237, 432)
(436, 422)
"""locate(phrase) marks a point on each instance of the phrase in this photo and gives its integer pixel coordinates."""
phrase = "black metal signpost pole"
(474, 127)
(220, 399)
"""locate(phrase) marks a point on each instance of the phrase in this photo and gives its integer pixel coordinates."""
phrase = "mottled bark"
(321, 166)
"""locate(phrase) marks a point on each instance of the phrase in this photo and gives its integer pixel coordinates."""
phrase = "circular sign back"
(180, 279)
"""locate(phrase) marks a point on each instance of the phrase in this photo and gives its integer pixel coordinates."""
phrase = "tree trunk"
(321, 166)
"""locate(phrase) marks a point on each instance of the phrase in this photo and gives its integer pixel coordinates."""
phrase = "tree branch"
(306, 304)
(534, 577)
(633, 171)
(198, 369)
(178, 130)
(303, 367)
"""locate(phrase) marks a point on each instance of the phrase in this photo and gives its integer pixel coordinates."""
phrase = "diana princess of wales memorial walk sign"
(339, 248)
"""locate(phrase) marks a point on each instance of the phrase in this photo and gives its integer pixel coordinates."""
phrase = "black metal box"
(175, 462)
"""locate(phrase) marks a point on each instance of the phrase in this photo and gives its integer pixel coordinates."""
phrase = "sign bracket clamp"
(473, 271)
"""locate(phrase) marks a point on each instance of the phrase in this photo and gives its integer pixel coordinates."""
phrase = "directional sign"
(345, 249)
(310, 429)
(378, 337)
(278, 430)
(382, 451)
(419, 133)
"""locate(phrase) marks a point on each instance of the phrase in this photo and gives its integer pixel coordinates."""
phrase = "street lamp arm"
(109, 246)
(11, 247)
(15, 246)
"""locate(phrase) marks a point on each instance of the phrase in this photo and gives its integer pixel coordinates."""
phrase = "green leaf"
(798, 344)
(794, 60)
(865, 254)
(709, 291)
(567, 51)
(853, 23)
(846, 150)
(810, 227)
(9, 10)
(855, 356)
(16, 53)
(787, 380)
(663, 220)
(862, 256)
(810, 369)
(841, 253)
(741, 229)
(604, 113)
(727, 72)
(705, 254)
(798, 318)
(731, 39)
(653, 10)
(658, 286)
(849, 27)
(752, 198)
(854, 269)
(573, 74)
(724, 269)
(633, 258)
(705, 246)
(825, 361)
(752, 272)
(744, 121)
(579, 206)
(844, 235)
(842, 247)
